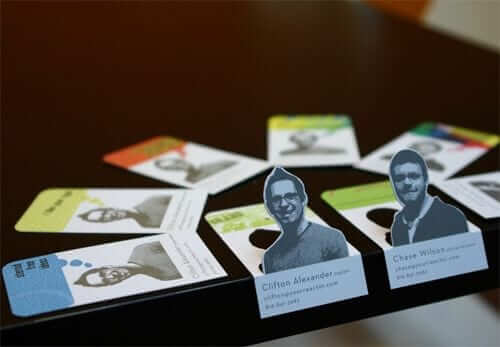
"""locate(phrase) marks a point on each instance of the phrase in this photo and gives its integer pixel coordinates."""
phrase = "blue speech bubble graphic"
(37, 285)
(76, 262)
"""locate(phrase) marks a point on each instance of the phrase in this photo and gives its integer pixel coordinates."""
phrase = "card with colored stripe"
(88, 275)
(187, 164)
(311, 140)
(370, 208)
(423, 239)
(314, 270)
(123, 211)
(250, 230)
(446, 149)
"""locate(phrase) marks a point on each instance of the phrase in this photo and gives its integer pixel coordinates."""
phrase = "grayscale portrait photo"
(148, 214)
(422, 217)
(425, 148)
(490, 188)
(306, 143)
(194, 174)
(148, 259)
(301, 242)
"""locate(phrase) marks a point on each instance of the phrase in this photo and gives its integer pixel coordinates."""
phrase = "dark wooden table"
(81, 79)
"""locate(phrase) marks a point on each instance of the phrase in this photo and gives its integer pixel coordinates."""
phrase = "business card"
(446, 149)
(439, 258)
(311, 140)
(114, 211)
(372, 208)
(249, 231)
(93, 274)
(480, 193)
(187, 164)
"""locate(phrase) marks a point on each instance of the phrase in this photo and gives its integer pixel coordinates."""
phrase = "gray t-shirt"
(152, 211)
(154, 261)
(316, 244)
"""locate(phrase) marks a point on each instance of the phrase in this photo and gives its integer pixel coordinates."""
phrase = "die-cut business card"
(187, 164)
(446, 149)
(311, 140)
(423, 238)
(303, 265)
(123, 211)
(480, 193)
(93, 274)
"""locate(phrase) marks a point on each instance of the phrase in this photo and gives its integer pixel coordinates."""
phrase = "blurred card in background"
(446, 149)
(311, 140)
(480, 193)
(187, 164)
(119, 211)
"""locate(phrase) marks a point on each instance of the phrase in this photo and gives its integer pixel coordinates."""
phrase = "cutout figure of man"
(194, 174)
(148, 214)
(423, 217)
(306, 144)
(148, 259)
(301, 242)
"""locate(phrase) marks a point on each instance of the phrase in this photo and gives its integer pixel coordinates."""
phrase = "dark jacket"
(440, 220)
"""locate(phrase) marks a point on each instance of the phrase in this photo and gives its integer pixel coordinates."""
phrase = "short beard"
(413, 207)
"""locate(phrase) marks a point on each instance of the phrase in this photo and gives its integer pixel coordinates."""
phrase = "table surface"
(82, 79)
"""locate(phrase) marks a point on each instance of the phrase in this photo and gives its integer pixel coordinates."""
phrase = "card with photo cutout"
(249, 231)
(370, 208)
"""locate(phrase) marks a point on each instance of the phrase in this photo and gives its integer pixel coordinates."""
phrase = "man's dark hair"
(279, 174)
(408, 156)
(83, 278)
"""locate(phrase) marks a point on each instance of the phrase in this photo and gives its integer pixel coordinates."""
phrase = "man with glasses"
(301, 242)
(148, 214)
(149, 259)
(423, 217)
